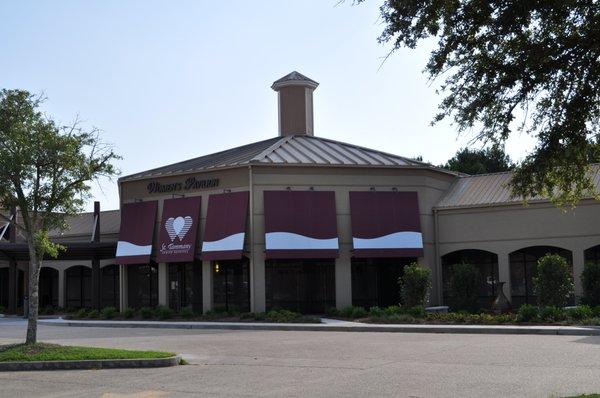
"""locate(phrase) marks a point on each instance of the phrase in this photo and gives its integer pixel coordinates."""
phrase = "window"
(79, 287)
(231, 287)
(375, 281)
(306, 286)
(142, 285)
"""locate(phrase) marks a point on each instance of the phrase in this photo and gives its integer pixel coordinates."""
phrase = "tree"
(414, 285)
(45, 171)
(553, 283)
(531, 66)
(480, 161)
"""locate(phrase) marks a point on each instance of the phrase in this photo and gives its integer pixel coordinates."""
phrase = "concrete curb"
(337, 327)
(90, 364)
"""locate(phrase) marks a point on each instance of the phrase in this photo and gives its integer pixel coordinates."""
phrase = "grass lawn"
(55, 352)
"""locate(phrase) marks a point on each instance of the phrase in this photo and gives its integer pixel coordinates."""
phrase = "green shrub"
(552, 314)
(108, 312)
(376, 311)
(527, 313)
(2, 309)
(414, 285)
(49, 310)
(464, 286)
(580, 312)
(418, 311)
(392, 310)
(186, 312)
(332, 312)
(163, 312)
(93, 314)
(394, 318)
(353, 312)
(553, 284)
(146, 312)
(128, 313)
(81, 313)
(596, 311)
(590, 282)
(282, 316)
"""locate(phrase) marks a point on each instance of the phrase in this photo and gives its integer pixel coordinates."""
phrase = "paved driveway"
(319, 364)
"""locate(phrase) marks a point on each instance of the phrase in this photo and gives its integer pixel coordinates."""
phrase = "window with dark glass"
(109, 286)
(48, 287)
(142, 285)
(375, 281)
(523, 266)
(306, 286)
(487, 265)
(185, 286)
(79, 287)
(4, 287)
(592, 255)
(231, 287)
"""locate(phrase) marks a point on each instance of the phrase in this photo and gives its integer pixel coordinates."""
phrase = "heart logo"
(178, 227)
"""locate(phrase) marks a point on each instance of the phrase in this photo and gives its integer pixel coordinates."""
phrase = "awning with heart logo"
(300, 224)
(385, 224)
(136, 233)
(178, 230)
(225, 229)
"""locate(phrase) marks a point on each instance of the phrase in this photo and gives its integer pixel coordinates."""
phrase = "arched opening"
(523, 268)
(592, 255)
(79, 287)
(48, 287)
(487, 264)
(109, 286)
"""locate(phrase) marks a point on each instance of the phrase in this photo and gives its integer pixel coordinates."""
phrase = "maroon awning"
(386, 224)
(225, 226)
(300, 224)
(137, 232)
(178, 230)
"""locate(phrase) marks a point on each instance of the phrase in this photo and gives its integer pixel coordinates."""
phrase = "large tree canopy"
(515, 65)
(480, 161)
(45, 171)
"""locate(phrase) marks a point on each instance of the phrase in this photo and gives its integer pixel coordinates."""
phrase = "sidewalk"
(334, 325)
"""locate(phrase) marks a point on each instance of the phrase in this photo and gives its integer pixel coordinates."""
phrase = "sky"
(166, 81)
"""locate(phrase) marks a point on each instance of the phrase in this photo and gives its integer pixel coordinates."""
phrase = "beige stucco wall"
(430, 185)
(504, 229)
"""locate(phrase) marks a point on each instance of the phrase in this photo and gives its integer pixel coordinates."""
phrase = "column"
(207, 286)
(96, 283)
(504, 273)
(259, 292)
(163, 284)
(123, 288)
(12, 287)
(61, 288)
(578, 264)
(343, 278)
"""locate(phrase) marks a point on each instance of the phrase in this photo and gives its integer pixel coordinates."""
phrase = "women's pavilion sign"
(189, 184)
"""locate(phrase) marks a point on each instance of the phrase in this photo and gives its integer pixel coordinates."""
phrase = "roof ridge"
(271, 148)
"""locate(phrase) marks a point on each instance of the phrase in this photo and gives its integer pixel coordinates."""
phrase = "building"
(302, 222)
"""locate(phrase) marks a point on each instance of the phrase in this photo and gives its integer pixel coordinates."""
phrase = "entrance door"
(185, 286)
(231, 285)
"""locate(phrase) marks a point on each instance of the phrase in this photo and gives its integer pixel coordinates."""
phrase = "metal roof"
(294, 78)
(83, 225)
(290, 150)
(491, 189)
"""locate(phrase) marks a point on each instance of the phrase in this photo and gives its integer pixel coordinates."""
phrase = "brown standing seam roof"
(291, 150)
(491, 189)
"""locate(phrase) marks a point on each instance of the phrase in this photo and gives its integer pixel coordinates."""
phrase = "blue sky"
(171, 80)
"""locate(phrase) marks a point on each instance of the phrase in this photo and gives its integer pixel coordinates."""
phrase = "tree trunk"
(34, 279)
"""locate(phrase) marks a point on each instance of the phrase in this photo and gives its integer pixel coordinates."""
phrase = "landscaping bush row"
(581, 315)
(164, 313)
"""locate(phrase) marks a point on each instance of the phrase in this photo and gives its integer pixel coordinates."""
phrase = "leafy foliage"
(527, 313)
(464, 285)
(554, 283)
(531, 66)
(480, 161)
(414, 285)
(45, 171)
(590, 281)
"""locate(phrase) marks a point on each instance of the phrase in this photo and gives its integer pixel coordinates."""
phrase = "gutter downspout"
(438, 268)
(251, 206)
